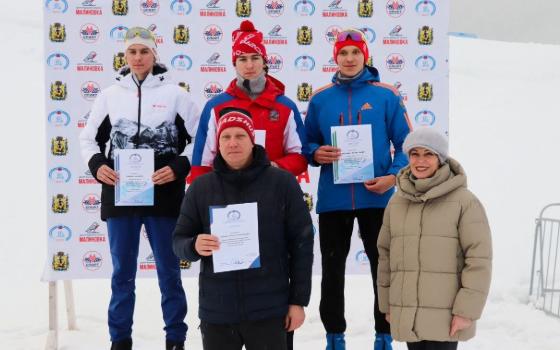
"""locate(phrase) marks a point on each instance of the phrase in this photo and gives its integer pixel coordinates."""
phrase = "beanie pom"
(247, 26)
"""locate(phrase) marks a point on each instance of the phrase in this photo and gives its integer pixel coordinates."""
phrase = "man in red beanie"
(278, 124)
(251, 307)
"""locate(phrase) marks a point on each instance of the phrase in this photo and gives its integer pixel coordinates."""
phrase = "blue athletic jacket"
(363, 101)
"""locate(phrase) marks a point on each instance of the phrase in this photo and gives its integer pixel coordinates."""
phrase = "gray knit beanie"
(430, 139)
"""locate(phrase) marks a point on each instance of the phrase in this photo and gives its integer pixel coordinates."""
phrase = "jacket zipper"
(350, 123)
(139, 113)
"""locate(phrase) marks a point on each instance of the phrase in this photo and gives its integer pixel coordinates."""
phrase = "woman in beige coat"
(435, 250)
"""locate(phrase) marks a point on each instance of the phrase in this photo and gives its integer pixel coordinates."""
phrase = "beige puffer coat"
(435, 256)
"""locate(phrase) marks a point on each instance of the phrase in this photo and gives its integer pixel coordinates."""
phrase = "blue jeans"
(124, 241)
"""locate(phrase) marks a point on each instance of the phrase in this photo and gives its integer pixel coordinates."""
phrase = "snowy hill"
(503, 129)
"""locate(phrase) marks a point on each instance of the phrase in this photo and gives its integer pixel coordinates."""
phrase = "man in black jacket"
(252, 307)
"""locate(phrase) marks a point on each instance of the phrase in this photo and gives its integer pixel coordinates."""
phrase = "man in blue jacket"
(355, 97)
(253, 307)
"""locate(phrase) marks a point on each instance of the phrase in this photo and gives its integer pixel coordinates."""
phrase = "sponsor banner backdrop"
(84, 49)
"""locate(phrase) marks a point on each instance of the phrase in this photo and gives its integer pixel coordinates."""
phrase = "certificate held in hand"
(135, 168)
(356, 161)
(237, 228)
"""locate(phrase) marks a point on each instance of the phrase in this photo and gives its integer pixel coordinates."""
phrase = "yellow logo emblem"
(304, 35)
(304, 92)
(60, 262)
(365, 8)
(243, 8)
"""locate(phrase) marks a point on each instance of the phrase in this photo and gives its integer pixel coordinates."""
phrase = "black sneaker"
(171, 345)
(122, 345)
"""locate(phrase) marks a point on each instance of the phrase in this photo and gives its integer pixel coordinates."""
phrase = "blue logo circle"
(59, 118)
(425, 63)
(426, 8)
(304, 8)
(58, 61)
(60, 233)
(181, 7)
(60, 175)
(181, 62)
(305, 63)
(425, 118)
(56, 6)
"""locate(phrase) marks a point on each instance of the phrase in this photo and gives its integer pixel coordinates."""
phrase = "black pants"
(255, 335)
(335, 233)
(432, 345)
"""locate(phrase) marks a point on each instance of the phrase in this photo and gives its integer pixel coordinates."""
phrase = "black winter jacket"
(285, 241)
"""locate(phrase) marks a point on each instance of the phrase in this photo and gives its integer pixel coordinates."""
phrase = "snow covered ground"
(503, 128)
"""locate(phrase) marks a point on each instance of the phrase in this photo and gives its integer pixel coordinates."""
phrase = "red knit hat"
(353, 37)
(238, 118)
(247, 39)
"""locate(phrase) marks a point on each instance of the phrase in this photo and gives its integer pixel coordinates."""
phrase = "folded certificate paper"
(356, 161)
(237, 227)
(135, 168)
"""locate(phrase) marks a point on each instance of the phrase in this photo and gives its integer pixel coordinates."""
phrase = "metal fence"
(545, 271)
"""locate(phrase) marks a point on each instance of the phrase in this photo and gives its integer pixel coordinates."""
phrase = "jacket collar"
(447, 178)
(272, 89)
(244, 176)
(369, 74)
(158, 76)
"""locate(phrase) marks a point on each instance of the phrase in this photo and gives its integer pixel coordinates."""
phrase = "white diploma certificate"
(135, 168)
(356, 160)
(237, 227)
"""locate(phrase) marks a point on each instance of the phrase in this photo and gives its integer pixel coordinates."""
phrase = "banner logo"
(304, 7)
(59, 204)
(58, 91)
(308, 199)
(361, 258)
(212, 89)
(395, 8)
(275, 62)
(181, 7)
(58, 61)
(332, 33)
(425, 63)
(119, 61)
(89, 33)
(89, 8)
(60, 262)
(92, 235)
(304, 35)
(118, 33)
(425, 91)
(181, 62)
(90, 90)
(426, 8)
(243, 8)
(395, 62)
(370, 34)
(425, 118)
(425, 35)
(184, 264)
(60, 175)
(365, 8)
(90, 64)
(59, 118)
(60, 233)
(213, 10)
(149, 7)
(395, 37)
(87, 179)
(274, 8)
(120, 7)
(305, 63)
(335, 10)
(304, 92)
(59, 146)
(56, 6)
(275, 37)
(57, 33)
(181, 34)
(185, 86)
(92, 261)
(213, 34)
(213, 65)
(91, 203)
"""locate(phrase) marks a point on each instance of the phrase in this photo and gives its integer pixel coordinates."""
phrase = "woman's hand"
(326, 154)
(163, 176)
(388, 317)
(205, 244)
(381, 184)
(458, 323)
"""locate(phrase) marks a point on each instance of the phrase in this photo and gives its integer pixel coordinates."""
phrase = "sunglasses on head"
(140, 32)
(354, 35)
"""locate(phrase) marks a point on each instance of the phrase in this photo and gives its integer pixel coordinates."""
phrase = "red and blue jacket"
(277, 123)
(362, 101)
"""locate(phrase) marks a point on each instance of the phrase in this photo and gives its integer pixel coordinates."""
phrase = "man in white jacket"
(142, 110)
